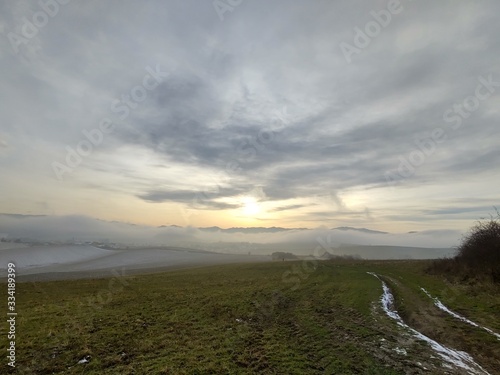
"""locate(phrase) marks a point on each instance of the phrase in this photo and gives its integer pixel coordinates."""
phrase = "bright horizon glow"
(250, 206)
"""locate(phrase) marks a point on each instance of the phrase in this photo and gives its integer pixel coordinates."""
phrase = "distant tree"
(280, 255)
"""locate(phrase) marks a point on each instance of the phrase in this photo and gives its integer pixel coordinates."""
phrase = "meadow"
(282, 317)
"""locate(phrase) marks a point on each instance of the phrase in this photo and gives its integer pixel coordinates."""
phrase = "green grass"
(269, 318)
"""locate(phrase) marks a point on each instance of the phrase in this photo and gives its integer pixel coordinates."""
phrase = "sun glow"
(250, 206)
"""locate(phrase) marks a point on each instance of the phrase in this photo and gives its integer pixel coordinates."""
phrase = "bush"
(481, 247)
(478, 256)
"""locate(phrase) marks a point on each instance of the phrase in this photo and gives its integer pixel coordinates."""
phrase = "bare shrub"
(478, 256)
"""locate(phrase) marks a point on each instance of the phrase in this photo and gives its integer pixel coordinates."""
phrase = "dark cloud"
(206, 199)
(481, 210)
(289, 207)
(162, 196)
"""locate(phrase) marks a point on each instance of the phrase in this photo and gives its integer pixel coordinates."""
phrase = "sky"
(380, 114)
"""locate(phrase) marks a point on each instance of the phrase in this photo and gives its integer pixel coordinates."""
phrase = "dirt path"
(462, 318)
(456, 342)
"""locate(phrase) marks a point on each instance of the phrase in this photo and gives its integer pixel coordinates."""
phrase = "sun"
(250, 206)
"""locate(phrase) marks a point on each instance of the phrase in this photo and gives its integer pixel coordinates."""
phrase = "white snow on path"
(441, 306)
(450, 356)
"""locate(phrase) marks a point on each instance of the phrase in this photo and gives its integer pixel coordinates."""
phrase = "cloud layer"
(162, 113)
(232, 240)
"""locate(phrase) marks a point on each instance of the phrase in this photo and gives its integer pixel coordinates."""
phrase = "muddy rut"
(454, 341)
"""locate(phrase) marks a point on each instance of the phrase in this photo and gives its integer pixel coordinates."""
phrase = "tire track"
(451, 357)
(442, 307)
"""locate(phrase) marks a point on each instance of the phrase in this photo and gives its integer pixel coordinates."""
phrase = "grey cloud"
(289, 207)
(203, 199)
(481, 210)
(347, 124)
(162, 196)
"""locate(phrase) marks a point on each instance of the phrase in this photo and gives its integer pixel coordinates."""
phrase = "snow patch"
(450, 356)
(84, 360)
(401, 351)
(441, 306)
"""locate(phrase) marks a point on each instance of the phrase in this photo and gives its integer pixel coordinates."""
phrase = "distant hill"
(364, 230)
(249, 229)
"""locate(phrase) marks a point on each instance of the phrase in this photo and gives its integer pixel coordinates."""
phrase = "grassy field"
(270, 318)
